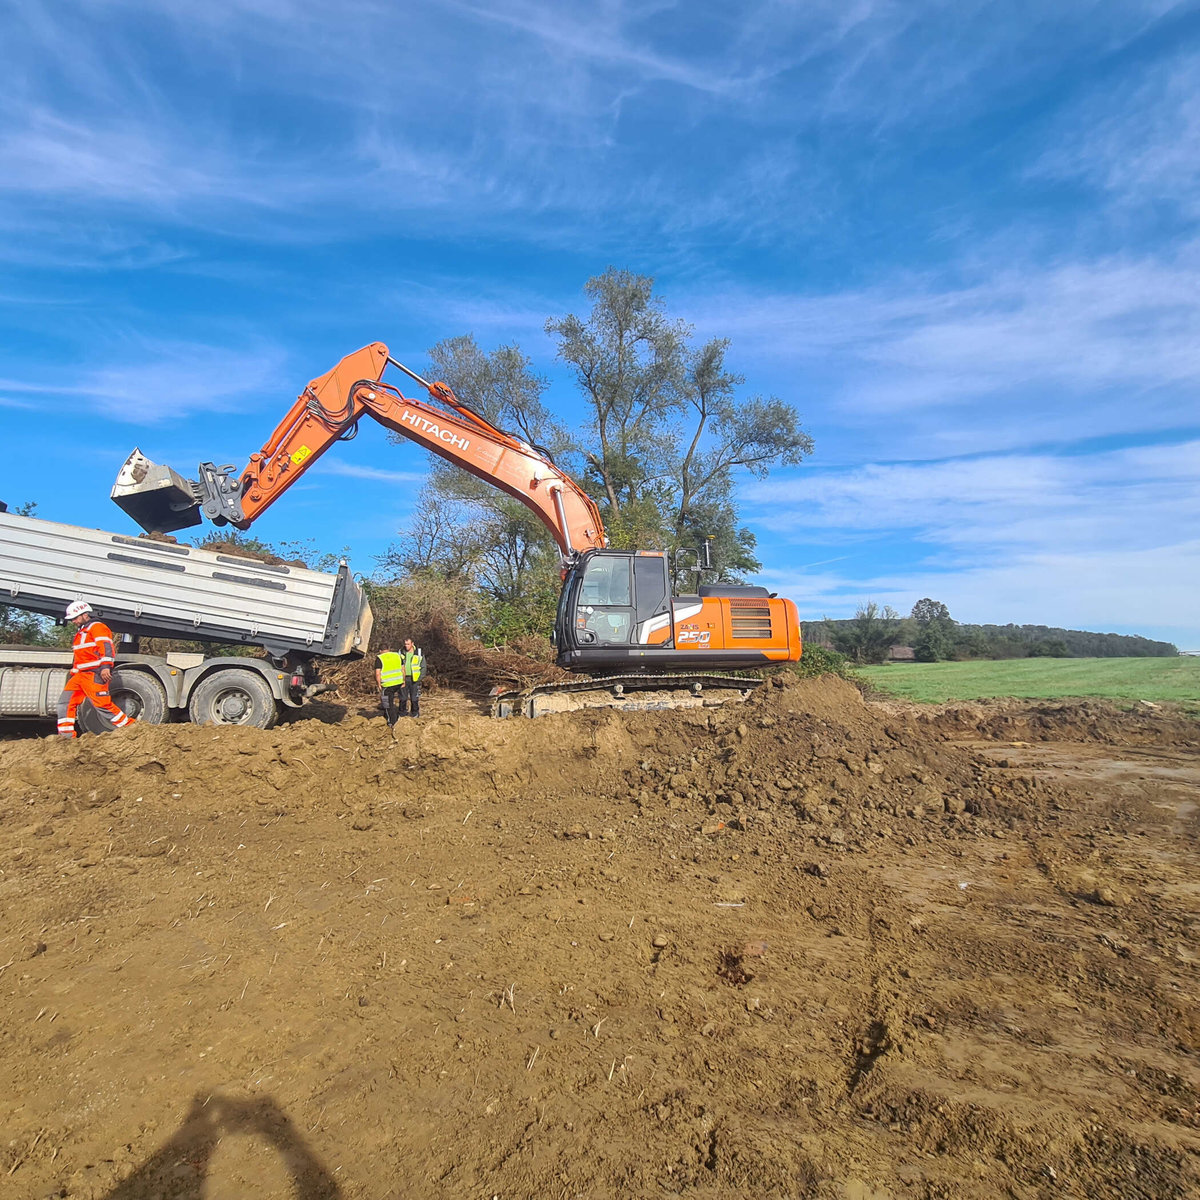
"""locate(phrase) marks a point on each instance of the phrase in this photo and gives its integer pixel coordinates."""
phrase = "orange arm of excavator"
(333, 403)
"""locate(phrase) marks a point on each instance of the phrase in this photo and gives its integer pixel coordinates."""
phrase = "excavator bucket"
(158, 498)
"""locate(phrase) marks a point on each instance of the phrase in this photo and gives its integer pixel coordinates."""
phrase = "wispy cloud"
(373, 474)
(1066, 540)
(37, 240)
(1026, 354)
(600, 34)
(561, 129)
(1138, 141)
(1129, 497)
(155, 381)
(88, 159)
(887, 64)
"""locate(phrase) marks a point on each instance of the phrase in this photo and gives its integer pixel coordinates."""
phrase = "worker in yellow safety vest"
(414, 668)
(389, 676)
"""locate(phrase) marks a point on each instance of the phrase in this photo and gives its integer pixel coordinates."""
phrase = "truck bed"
(158, 589)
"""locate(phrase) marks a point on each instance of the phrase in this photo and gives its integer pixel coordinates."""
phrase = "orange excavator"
(616, 612)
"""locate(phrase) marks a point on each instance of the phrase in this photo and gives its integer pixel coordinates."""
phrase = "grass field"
(1176, 679)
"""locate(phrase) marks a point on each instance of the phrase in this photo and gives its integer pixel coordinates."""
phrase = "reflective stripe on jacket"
(391, 669)
(92, 648)
(414, 663)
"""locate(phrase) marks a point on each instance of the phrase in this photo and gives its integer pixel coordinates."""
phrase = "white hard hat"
(77, 608)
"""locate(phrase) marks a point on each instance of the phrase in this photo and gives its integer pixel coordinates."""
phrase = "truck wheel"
(139, 696)
(89, 719)
(233, 697)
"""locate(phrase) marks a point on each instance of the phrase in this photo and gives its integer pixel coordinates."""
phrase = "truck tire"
(140, 696)
(233, 697)
(89, 719)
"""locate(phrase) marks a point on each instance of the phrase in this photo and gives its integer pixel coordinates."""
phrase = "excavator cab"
(616, 613)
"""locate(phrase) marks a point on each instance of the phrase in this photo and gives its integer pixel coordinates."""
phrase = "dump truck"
(147, 588)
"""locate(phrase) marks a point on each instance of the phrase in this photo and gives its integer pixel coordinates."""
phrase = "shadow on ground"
(179, 1169)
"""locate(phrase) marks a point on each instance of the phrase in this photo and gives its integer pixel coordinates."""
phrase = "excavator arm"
(327, 411)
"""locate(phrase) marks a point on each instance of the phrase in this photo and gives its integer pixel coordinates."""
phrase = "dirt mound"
(1141, 724)
(256, 553)
(453, 661)
(799, 946)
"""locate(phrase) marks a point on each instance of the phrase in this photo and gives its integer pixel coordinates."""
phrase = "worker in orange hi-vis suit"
(91, 670)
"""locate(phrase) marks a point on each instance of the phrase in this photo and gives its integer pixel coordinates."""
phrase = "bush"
(506, 622)
(440, 616)
(869, 636)
(821, 660)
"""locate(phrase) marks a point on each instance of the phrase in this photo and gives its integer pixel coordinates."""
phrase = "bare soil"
(804, 946)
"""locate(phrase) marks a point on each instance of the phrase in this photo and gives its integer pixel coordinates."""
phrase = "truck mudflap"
(628, 693)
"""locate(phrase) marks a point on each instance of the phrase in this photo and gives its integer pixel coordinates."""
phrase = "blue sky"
(963, 239)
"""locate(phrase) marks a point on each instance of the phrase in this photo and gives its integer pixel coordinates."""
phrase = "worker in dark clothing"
(389, 676)
(414, 667)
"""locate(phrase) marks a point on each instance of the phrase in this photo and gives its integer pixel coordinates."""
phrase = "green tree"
(974, 644)
(667, 435)
(466, 530)
(1049, 648)
(869, 637)
(935, 636)
(21, 628)
(668, 431)
(926, 611)
(724, 434)
(630, 361)
(502, 387)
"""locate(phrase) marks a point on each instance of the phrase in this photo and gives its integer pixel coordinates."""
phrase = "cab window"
(606, 581)
(608, 625)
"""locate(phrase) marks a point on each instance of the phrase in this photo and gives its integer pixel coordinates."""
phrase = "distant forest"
(1079, 642)
(934, 636)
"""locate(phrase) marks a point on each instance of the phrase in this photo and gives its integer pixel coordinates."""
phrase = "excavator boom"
(326, 411)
